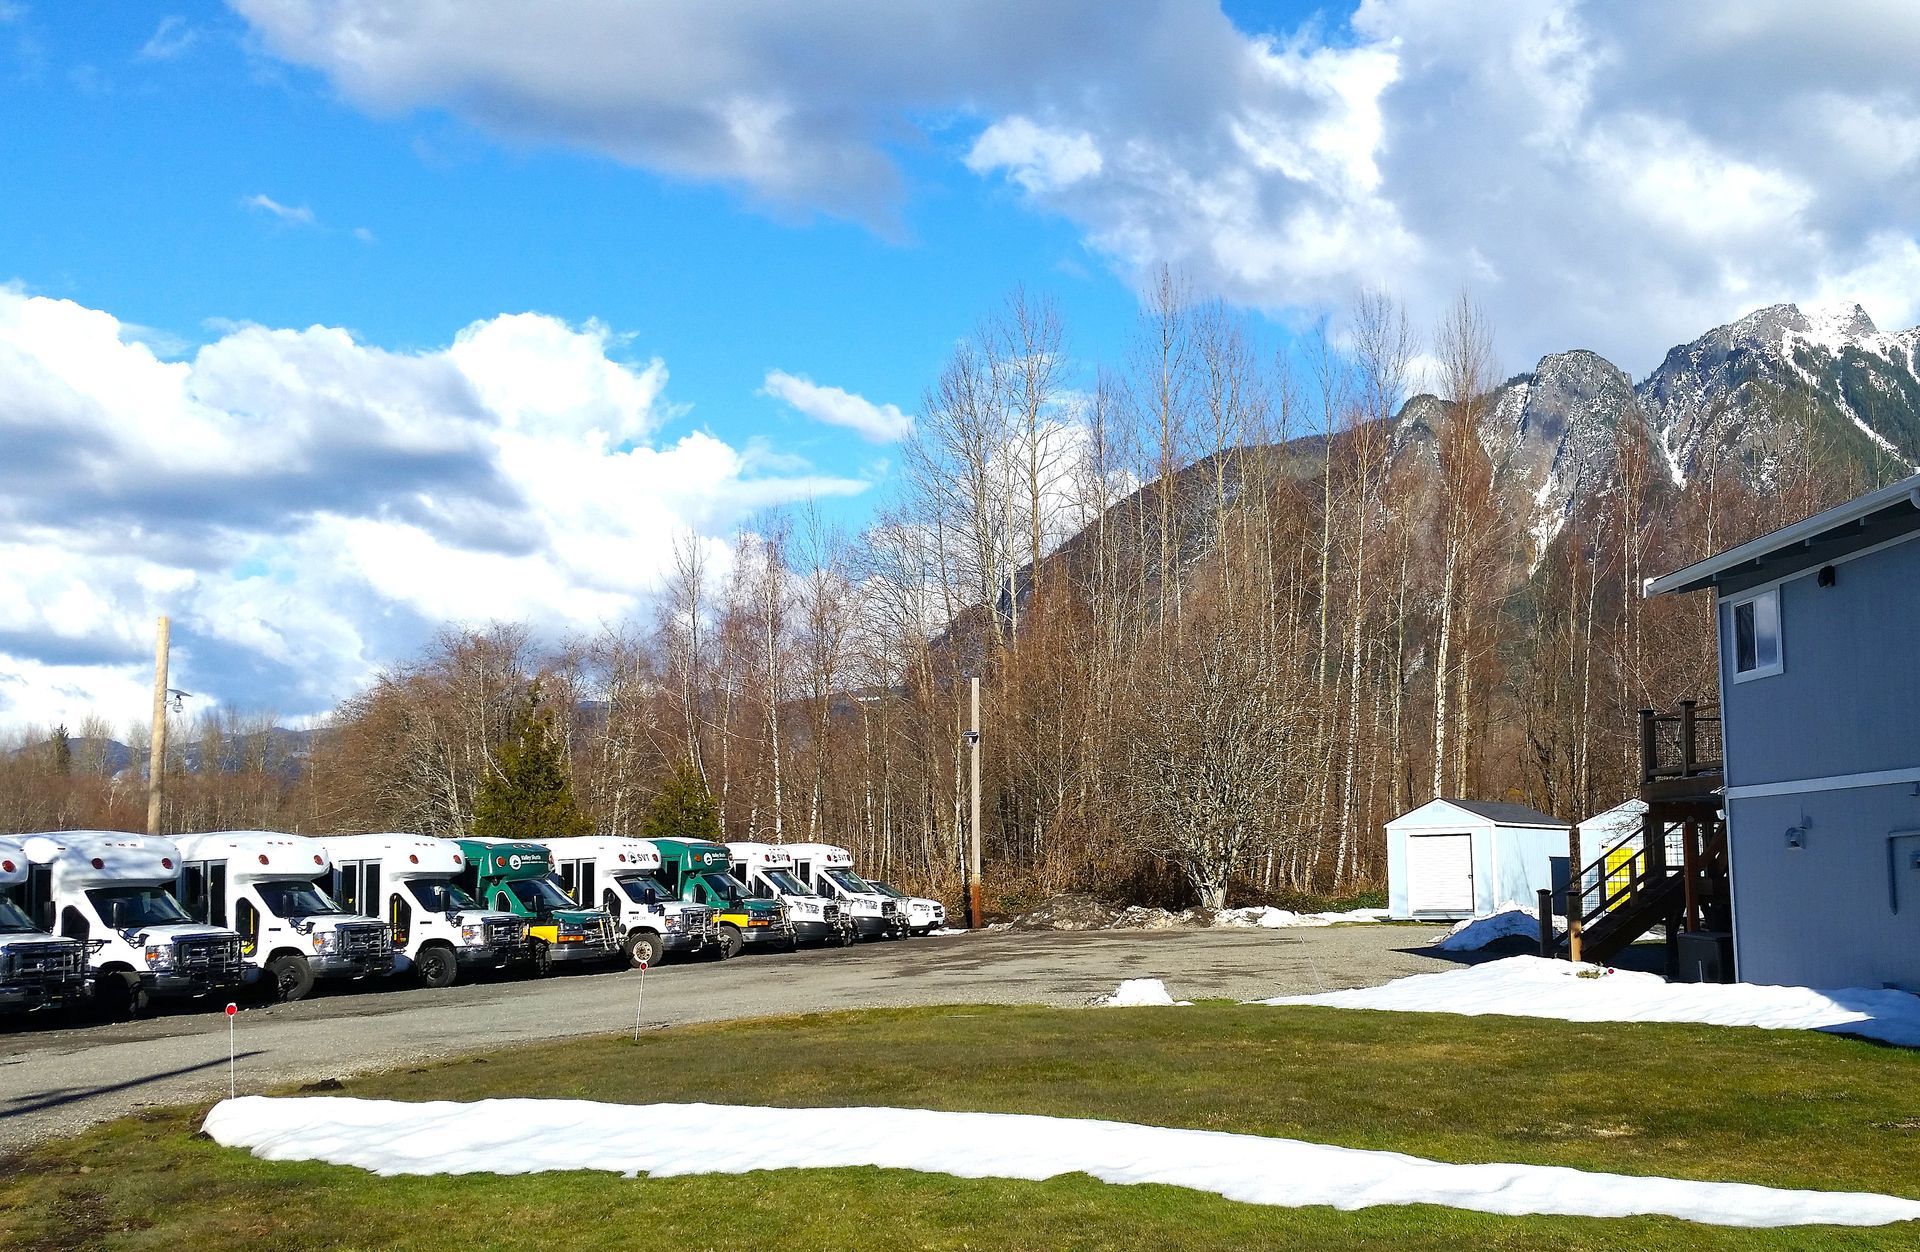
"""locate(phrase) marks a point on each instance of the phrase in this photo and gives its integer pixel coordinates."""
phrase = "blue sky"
(326, 322)
(154, 159)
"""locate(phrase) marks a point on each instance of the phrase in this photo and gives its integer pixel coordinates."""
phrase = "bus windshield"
(128, 908)
(296, 899)
(440, 895)
(786, 884)
(721, 885)
(13, 920)
(886, 890)
(646, 890)
(541, 895)
(849, 881)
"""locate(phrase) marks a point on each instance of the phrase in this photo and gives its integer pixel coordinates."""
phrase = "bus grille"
(209, 958)
(503, 932)
(366, 943)
(44, 963)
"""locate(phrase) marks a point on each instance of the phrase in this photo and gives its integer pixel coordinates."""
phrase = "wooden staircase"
(1672, 871)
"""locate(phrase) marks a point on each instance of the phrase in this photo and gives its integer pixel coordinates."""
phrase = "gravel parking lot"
(58, 1079)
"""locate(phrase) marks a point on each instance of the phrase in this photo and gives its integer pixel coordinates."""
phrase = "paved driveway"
(57, 1080)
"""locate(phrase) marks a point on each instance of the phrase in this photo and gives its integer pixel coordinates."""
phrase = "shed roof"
(1874, 518)
(1502, 813)
(1497, 812)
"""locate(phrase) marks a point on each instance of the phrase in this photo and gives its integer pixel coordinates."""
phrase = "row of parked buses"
(115, 921)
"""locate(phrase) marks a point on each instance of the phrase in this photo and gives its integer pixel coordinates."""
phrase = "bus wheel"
(730, 941)
(435, 965)
(290, 976)
(540, 956)
(119, 996)
(643, 947)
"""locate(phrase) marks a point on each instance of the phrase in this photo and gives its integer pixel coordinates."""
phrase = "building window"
(1756, 636)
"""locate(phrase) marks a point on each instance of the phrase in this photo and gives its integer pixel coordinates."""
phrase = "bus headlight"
(160, 958)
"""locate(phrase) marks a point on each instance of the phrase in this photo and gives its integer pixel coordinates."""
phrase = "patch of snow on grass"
(666, 1140)
(1531, 986)
(1140, 993)
(1508, 921)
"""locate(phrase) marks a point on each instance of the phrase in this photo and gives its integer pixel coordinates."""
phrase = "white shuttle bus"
(111, 892)
(829, 870)
(768, 871)
(924, 916)
(622, 876)
(439, 931)
(37, 970)
(266, 886)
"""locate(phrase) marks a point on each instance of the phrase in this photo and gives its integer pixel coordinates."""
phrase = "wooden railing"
(1679, 745)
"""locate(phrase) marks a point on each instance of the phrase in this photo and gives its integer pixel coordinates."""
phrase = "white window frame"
(1779, 664)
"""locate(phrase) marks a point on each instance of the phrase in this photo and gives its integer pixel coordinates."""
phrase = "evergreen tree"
(530, 795)
(62, 748)
(683, 809)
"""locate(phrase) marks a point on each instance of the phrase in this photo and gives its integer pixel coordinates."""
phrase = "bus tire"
(119, 995)
(730, 942)
(642, 946)
(436, 966)
(539, 957)
(290, 977)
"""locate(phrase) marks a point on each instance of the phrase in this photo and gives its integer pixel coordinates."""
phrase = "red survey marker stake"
(233, 1011)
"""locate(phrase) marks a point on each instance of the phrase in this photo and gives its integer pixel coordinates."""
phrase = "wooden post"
(1576, 867)
(973, 850)
(1686, 737)
(157, 760)
(1649, 747)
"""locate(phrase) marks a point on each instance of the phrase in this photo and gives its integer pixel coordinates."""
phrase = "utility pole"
(157, 762)
(973, 861)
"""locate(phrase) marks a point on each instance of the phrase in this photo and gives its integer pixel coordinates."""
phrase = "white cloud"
(169, 39)
(1039, 158)
(292, 215)
(308, 507)
(1615, 175)
(877, 423)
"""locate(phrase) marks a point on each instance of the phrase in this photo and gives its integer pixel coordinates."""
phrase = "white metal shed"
(1465, 858)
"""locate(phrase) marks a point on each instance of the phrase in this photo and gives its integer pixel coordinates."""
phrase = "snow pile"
(1270, 918)
(1140, 993)
(666, 1140)
(1509, 921)
(1531, 986)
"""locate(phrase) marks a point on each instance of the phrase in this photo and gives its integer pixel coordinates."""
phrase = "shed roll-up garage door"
(1440, 873)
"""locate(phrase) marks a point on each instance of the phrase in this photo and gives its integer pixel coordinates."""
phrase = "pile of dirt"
(1079, 911)
(1076, 910)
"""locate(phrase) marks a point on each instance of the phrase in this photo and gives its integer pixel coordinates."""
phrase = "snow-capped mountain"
(1772, 385)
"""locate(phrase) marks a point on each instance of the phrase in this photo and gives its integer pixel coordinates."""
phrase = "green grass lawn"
(1780, 1108)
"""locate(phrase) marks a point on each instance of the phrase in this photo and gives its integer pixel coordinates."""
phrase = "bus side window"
(502, 902)
(570, 878)
(402, 918)
(246, 920)
(348, 878)
(40, 896)
(73, 924)
(586, 884)
(193, 891)
(217, 894)
(371, 886)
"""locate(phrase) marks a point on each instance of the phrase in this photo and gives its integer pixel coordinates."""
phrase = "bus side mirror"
(116, 914)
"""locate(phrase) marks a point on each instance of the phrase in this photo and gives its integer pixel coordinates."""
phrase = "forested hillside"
(1231, 609)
